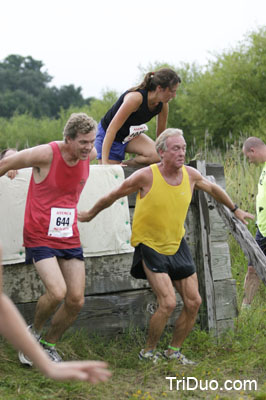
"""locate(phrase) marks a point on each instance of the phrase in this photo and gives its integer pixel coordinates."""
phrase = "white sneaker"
(24, 359)
(178, 356)
(149, 356)
(52, 353)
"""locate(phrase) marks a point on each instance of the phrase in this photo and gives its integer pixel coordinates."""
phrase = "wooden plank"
(109, 314)
(108, 274)
(218, 229)
(224, 286)
(224, 325)
(225, 299)
(190, 235)
(216, 170)
(22, 283)
(220, 261)
(104, 274)
(208, 316)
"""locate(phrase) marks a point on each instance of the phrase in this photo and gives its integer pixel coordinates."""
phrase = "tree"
(24, 89)
(98, 107)
(68, 96)
(229, 97)
(23, 73)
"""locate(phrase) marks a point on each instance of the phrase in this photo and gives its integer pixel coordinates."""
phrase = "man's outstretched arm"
(34, 157)
(220, 195)
(132, 184)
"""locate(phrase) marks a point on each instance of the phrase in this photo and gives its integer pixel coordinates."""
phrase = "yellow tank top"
(160, 215)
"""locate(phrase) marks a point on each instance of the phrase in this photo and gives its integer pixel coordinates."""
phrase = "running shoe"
(178, 356)
(24, 359)
(149, 356)
(52, 353)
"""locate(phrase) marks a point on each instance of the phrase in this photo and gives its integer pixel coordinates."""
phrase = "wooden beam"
(242, 235)
(206, 284)
(112, 313)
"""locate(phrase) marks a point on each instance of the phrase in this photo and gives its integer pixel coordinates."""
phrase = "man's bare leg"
(53, 280)
(251, 286)
(74, 274)
(188, 290)
(162, 287)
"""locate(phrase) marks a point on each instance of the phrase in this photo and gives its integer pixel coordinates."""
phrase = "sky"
(100, 45)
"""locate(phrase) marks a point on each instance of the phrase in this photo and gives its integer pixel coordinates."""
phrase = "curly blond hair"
(78, 123)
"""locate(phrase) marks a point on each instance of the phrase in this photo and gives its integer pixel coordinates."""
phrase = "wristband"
(234, 209)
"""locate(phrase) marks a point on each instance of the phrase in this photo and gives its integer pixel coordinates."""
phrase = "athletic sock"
(174, 348)
(42, 341)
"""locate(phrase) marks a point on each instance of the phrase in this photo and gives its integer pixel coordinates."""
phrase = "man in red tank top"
(51, 237)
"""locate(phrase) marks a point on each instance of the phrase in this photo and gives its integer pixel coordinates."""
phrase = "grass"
(237, 356)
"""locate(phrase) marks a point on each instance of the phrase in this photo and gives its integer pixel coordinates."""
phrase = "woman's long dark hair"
(164, 77)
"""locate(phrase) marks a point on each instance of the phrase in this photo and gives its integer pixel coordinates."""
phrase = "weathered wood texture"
(114, 301)
(242, 235)
(213, 261)
(112, 313)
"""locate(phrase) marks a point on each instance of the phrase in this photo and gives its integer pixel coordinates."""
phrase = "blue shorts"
(43, 252)
(178, 266)
(117, 151)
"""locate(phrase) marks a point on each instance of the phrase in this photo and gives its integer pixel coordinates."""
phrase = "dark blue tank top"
(142, 115)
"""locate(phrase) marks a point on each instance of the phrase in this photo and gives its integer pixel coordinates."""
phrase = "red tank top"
(51, 208)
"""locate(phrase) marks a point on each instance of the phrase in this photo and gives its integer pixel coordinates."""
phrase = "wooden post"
(217, 288)
(203, 262)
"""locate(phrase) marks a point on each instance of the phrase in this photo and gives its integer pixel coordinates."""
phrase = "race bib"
(135, 131)
(61, 222)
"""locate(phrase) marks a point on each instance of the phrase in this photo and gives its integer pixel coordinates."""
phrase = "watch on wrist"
(234, 209)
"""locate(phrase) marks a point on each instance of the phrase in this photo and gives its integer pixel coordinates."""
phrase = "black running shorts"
(178, 266)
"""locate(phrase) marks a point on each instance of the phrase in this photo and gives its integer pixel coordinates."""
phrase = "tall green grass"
(23, 131)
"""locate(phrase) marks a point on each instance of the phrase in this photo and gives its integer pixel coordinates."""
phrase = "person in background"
(14, 329)
(255, 151)
(123, 128)
(162, 255)
(51, 237)
(6, 153)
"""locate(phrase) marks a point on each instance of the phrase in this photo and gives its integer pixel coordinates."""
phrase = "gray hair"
(252, 141)
(79, 123)
(160, 143)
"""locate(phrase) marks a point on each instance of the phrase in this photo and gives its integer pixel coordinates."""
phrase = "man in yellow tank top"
(161, 253)
(255, 150)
